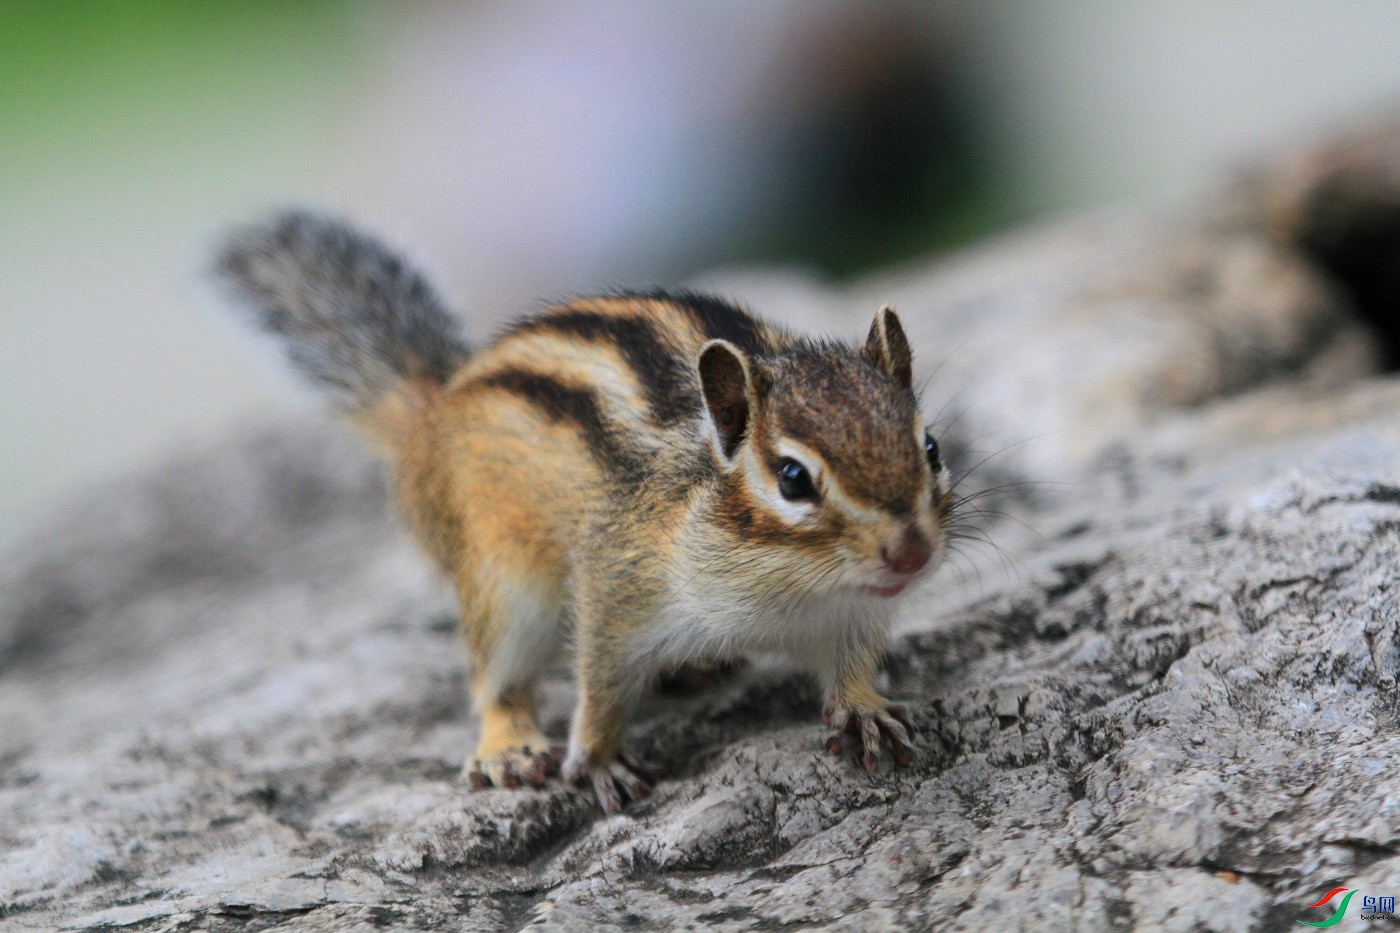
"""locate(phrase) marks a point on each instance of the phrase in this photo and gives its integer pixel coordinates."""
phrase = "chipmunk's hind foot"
(512, 751)
(530, 765)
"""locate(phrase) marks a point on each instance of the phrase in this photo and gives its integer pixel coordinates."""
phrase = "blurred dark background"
(544, 147)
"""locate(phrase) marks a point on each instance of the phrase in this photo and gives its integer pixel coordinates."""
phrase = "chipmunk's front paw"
(612, 780)
(867, 725)
(531, 765)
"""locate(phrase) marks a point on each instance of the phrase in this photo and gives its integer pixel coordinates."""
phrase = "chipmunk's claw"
(868, 726)
(515, 768)
(623, 779)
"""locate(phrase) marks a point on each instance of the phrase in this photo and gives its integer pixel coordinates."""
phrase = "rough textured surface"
(231, 696)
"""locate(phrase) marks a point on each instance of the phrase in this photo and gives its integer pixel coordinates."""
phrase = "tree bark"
(233, 699)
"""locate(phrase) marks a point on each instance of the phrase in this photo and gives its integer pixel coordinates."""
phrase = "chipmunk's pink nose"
(911, 554)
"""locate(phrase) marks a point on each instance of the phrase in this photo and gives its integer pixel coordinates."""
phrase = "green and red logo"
(1337, 914)
(1373, 907)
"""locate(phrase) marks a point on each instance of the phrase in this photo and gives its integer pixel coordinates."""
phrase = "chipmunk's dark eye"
(931, 451)
(794, 482)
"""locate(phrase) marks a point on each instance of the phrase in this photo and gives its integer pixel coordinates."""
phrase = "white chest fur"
(710, 618)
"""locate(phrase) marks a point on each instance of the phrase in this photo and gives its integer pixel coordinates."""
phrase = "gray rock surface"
(231, 696)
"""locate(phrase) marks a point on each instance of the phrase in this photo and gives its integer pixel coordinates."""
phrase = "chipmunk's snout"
(910, 554)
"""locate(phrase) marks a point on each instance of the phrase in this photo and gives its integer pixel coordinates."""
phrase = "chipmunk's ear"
(727, 381)
(888, 348)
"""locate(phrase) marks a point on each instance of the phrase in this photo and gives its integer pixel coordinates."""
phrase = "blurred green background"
(541, 147)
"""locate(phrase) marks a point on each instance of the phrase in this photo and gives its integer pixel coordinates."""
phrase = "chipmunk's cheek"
(939, 541)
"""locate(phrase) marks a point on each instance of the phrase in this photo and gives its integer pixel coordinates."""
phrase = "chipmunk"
(660, 474)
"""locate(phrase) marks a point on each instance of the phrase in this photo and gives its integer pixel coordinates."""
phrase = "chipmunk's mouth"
(887, 591)
(889, 585)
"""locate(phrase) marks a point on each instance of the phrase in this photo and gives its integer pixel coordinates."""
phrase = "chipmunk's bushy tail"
(357, 321)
